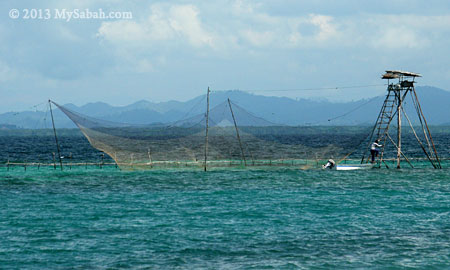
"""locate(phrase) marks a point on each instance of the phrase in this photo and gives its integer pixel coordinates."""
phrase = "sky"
(175, 50)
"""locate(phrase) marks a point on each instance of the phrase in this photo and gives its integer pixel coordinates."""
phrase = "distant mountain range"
(281, 110)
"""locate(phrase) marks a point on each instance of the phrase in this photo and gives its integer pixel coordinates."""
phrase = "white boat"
(351, 167)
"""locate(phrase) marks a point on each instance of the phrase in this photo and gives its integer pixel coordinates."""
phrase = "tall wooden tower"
(393, 111)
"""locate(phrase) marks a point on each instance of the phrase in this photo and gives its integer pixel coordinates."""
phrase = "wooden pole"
(426, 125)
(207, 123)
(237, 133)
(56, 137)
(404, 156)
(399, 128)
(150, 157)
(115, 158)
(418, 139)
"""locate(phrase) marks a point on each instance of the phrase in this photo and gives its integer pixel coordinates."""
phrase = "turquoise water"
(224, 219)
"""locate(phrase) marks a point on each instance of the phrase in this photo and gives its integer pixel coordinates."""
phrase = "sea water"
(104, 218)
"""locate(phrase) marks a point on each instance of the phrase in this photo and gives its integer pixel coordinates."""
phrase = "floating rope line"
(304, 89)
(354, 109)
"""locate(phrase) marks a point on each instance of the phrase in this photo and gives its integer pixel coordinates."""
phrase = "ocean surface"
(272, 218)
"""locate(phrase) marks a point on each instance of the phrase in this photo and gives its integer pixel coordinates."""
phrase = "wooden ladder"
(384, 120)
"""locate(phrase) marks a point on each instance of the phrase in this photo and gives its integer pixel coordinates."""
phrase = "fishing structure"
(227, 135)
(393, 110)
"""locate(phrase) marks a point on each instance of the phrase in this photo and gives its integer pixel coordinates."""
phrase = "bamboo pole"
(56, 137)
(237, 133)
(386, 132)
(404, 156)
(399, 128)
(207, 123)
(426, 125)
(149, 152)
(418, 140)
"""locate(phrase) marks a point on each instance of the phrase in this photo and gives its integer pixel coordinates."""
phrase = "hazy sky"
(176, 49)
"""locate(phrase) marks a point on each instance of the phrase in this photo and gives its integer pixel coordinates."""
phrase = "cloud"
(379, 31)
(393, 32)
(182, 44)
(313, 30)
(258, 39)
(245, 25)
(248, 31)
(240, 7)
(261, 29)
(120, 31)
(184, 20)
(326, 29)
(398, 38)
(6, 72)
(165, 24)
(242, 23)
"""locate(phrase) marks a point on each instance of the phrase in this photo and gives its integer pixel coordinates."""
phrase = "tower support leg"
(399, 129)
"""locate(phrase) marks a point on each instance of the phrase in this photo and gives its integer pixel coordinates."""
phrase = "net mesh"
(235, 137)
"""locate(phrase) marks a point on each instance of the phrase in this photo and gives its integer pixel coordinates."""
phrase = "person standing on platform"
(374, 149)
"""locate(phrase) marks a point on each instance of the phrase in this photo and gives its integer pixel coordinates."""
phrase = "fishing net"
(234, 137)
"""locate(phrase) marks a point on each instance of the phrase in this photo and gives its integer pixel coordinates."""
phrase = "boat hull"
(351, 167)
